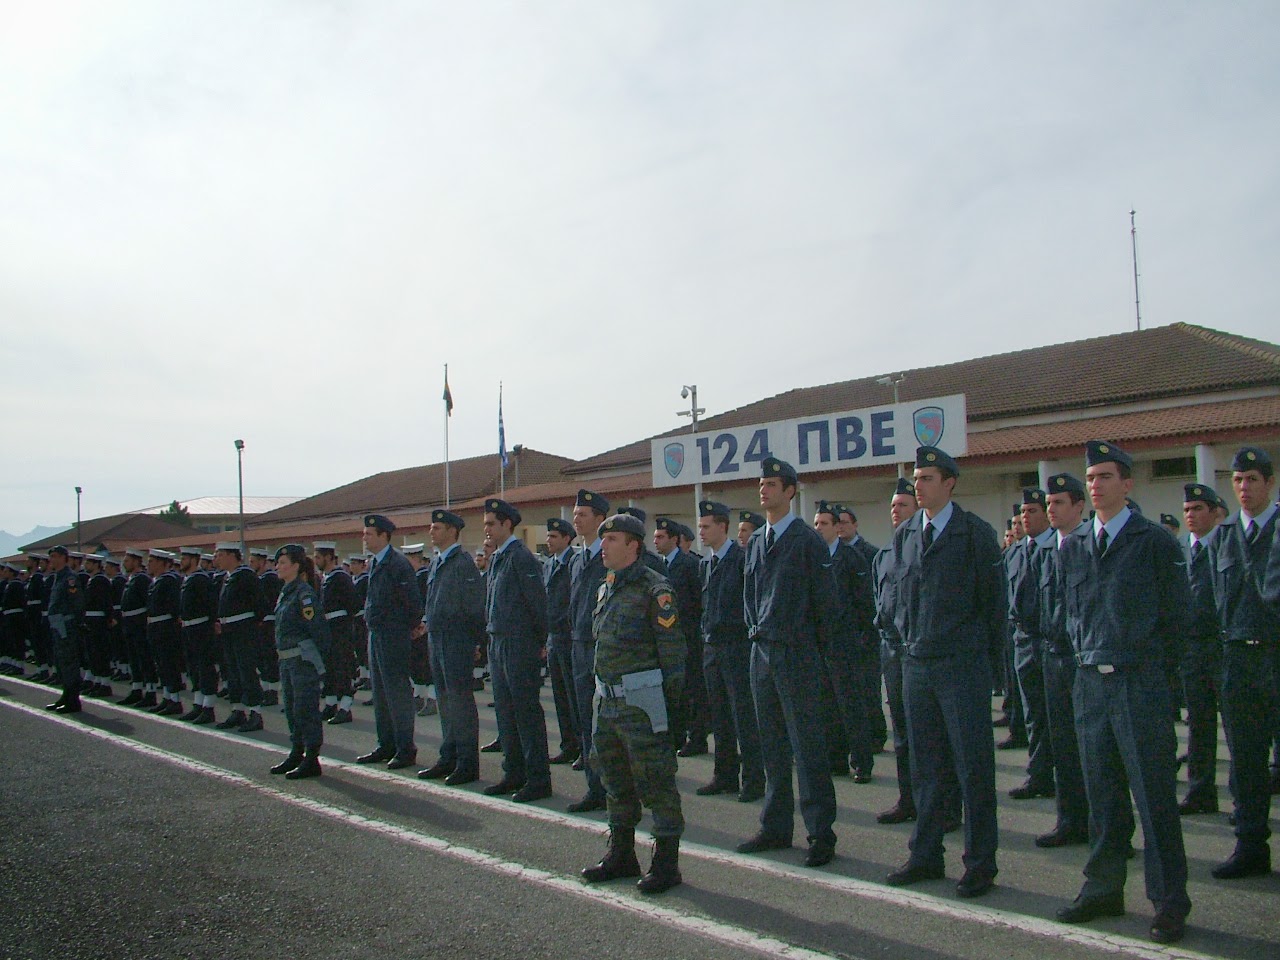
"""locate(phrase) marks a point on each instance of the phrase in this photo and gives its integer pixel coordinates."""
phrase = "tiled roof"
(113, 532)
(1176, 360)
(223, 506)
(422, 487)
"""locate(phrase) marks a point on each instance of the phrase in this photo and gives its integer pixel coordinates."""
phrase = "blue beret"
(905, 486)
(556, 525)
(1133, 505)
(710, 508)
(1169, 520)
(933, 457)
(622, 523)
(445, 516)
(687, 532)
(1251, 458)
(633, 512)
(593, 500)
(1017, 508)
(1222, 505)
(502, 510)
(1191, 492)
(1066, 483)
(668, 525)
(773, 467)
(1032, 495)
(829, 508)
(748, 516)
(379, 523)
(842, 508)
(1102, 451)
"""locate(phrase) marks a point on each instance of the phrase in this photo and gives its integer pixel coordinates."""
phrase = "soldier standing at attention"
(37, 624)
(199, 610)
(268, 593)
(748, 523)
(338, 593)
(726, 662)
(586, 576)
(393, 614)
(639, 670)
(949, 609)
(789, 612)
(358, 567)
(1250, 634)
(1126, 596)
(164, 636)
(13, 620)
(420, 661)
(302, 635)
(97, 624)
(556, 577)
(455, 627)
(238, 630)
(133, 625)
(682, 572)
(516, 615)
(66, 607)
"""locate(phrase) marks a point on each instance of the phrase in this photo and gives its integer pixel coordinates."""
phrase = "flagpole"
(502, 448)
(447, 401)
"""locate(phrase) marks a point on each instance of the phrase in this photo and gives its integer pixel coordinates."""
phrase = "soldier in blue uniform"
(302, 635)
(790, 616)
(556, 577)
(238, 602)
(420, 660)
(586, 574)
(37, 623)
(97, 629)
(393, 615)
(949, 609)
(455, 626)
(682, 572)
(164, 630)
(726, 662)
(870, 672)
(358, 567)
(133, 626)
(1250, 631)
(1126, 598)
(268, 593)
(198, 608)
(13, 620)
(115, 632)
(1201, 653)
(516, 615)
(748, 523)
(338, 593)
(66, 608)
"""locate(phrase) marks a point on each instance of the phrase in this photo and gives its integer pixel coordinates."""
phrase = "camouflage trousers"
(636, 766)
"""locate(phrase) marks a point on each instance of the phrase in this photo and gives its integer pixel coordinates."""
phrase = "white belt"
(14, 610)
(95, 613)
(160, 619)
(335, 614)
(33, 603)
(268, 618)
(196, 622)
(236, 618)
(136, 612)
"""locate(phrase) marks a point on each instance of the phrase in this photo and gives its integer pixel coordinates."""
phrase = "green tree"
(178, 514)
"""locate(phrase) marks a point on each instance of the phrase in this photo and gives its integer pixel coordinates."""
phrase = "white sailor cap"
(135, 552)
(111, 561)
(411, 549)
(227, 545)
(324, 545)
(259, 552)
(78, 555)
(357, 558)
(206, 556)
(38, 554)
(189, 551)
(95, 557)
(160, 554)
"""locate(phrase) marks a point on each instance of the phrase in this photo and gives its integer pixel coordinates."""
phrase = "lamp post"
(690, 392)
(240, 474)
(892, 380)
(79, 490)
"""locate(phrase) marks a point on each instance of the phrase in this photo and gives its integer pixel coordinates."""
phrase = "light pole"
(240, 474)
(79, 490)
(892, 380)
(690, 392)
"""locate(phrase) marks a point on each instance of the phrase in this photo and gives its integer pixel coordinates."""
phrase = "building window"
(1031, 479)
(1173, 468)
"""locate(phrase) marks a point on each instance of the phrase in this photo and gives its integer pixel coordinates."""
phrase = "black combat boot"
(290, 762)
(619, 860)
(664, 871)
(310, 767)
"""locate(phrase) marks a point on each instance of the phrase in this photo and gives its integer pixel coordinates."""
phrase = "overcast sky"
(277, 221)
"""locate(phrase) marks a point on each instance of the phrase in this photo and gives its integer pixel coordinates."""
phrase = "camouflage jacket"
(635, 628)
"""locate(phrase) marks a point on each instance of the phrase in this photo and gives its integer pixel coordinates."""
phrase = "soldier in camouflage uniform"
(639, 673)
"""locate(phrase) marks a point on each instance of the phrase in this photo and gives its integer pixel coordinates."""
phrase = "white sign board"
(835, 441)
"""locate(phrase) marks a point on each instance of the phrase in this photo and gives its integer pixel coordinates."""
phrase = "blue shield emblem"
(673, 458)
(929, 423)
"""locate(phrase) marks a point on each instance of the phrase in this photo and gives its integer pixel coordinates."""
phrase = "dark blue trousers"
(1027, 657)
(948, 704)
(787, 708)
(891, 656)
(1249, 709)
(1124, 721)
(392, 692)
(584, 690)
(451, 666)
(300, 684)
(1059, 681)
(727, 669)
(516, 669)
(1201, 671)
(560, 669)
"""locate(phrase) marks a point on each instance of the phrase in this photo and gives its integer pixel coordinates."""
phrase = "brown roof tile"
(115, 532)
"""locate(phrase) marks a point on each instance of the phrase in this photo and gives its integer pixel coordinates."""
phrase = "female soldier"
(301, 636)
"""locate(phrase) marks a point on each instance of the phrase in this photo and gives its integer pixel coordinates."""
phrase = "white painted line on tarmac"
(992, 917)
(724, 933)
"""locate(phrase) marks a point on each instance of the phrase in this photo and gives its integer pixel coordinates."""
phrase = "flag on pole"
(448, 396)
(502, 433)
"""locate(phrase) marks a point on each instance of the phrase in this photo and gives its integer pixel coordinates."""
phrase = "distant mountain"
(9, 543)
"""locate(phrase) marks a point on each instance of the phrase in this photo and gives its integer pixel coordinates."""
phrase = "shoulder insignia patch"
(308, 612)
(666, 601)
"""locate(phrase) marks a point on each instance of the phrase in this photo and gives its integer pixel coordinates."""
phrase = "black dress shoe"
(580, 764)
(1245, 862)
(378, 755)
(493, 746)
(762, 842)
(750, 794)
(910, 873)
(820, 852)
(862, 774)
(460, 777)
(71, 706)
(437, 771)
(329, 710)
(1083, 910)
(564, 757)
(1168, 927)
(252, 723)
(171, 708)
(402, 760)
(191, 714)
(206, 717)
(529, 793)
(1062, 838)
(1193, 805)
(57, 704)
(716, 787)
(135, 696)
(588, 803)
(975, 883)
(1029, 791)
(233, 721)
(505, 785)
(1012, 743)
(896, 814)
(339, 716)
(692, 748)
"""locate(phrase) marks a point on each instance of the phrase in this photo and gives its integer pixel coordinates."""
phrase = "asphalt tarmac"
(127, 835)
